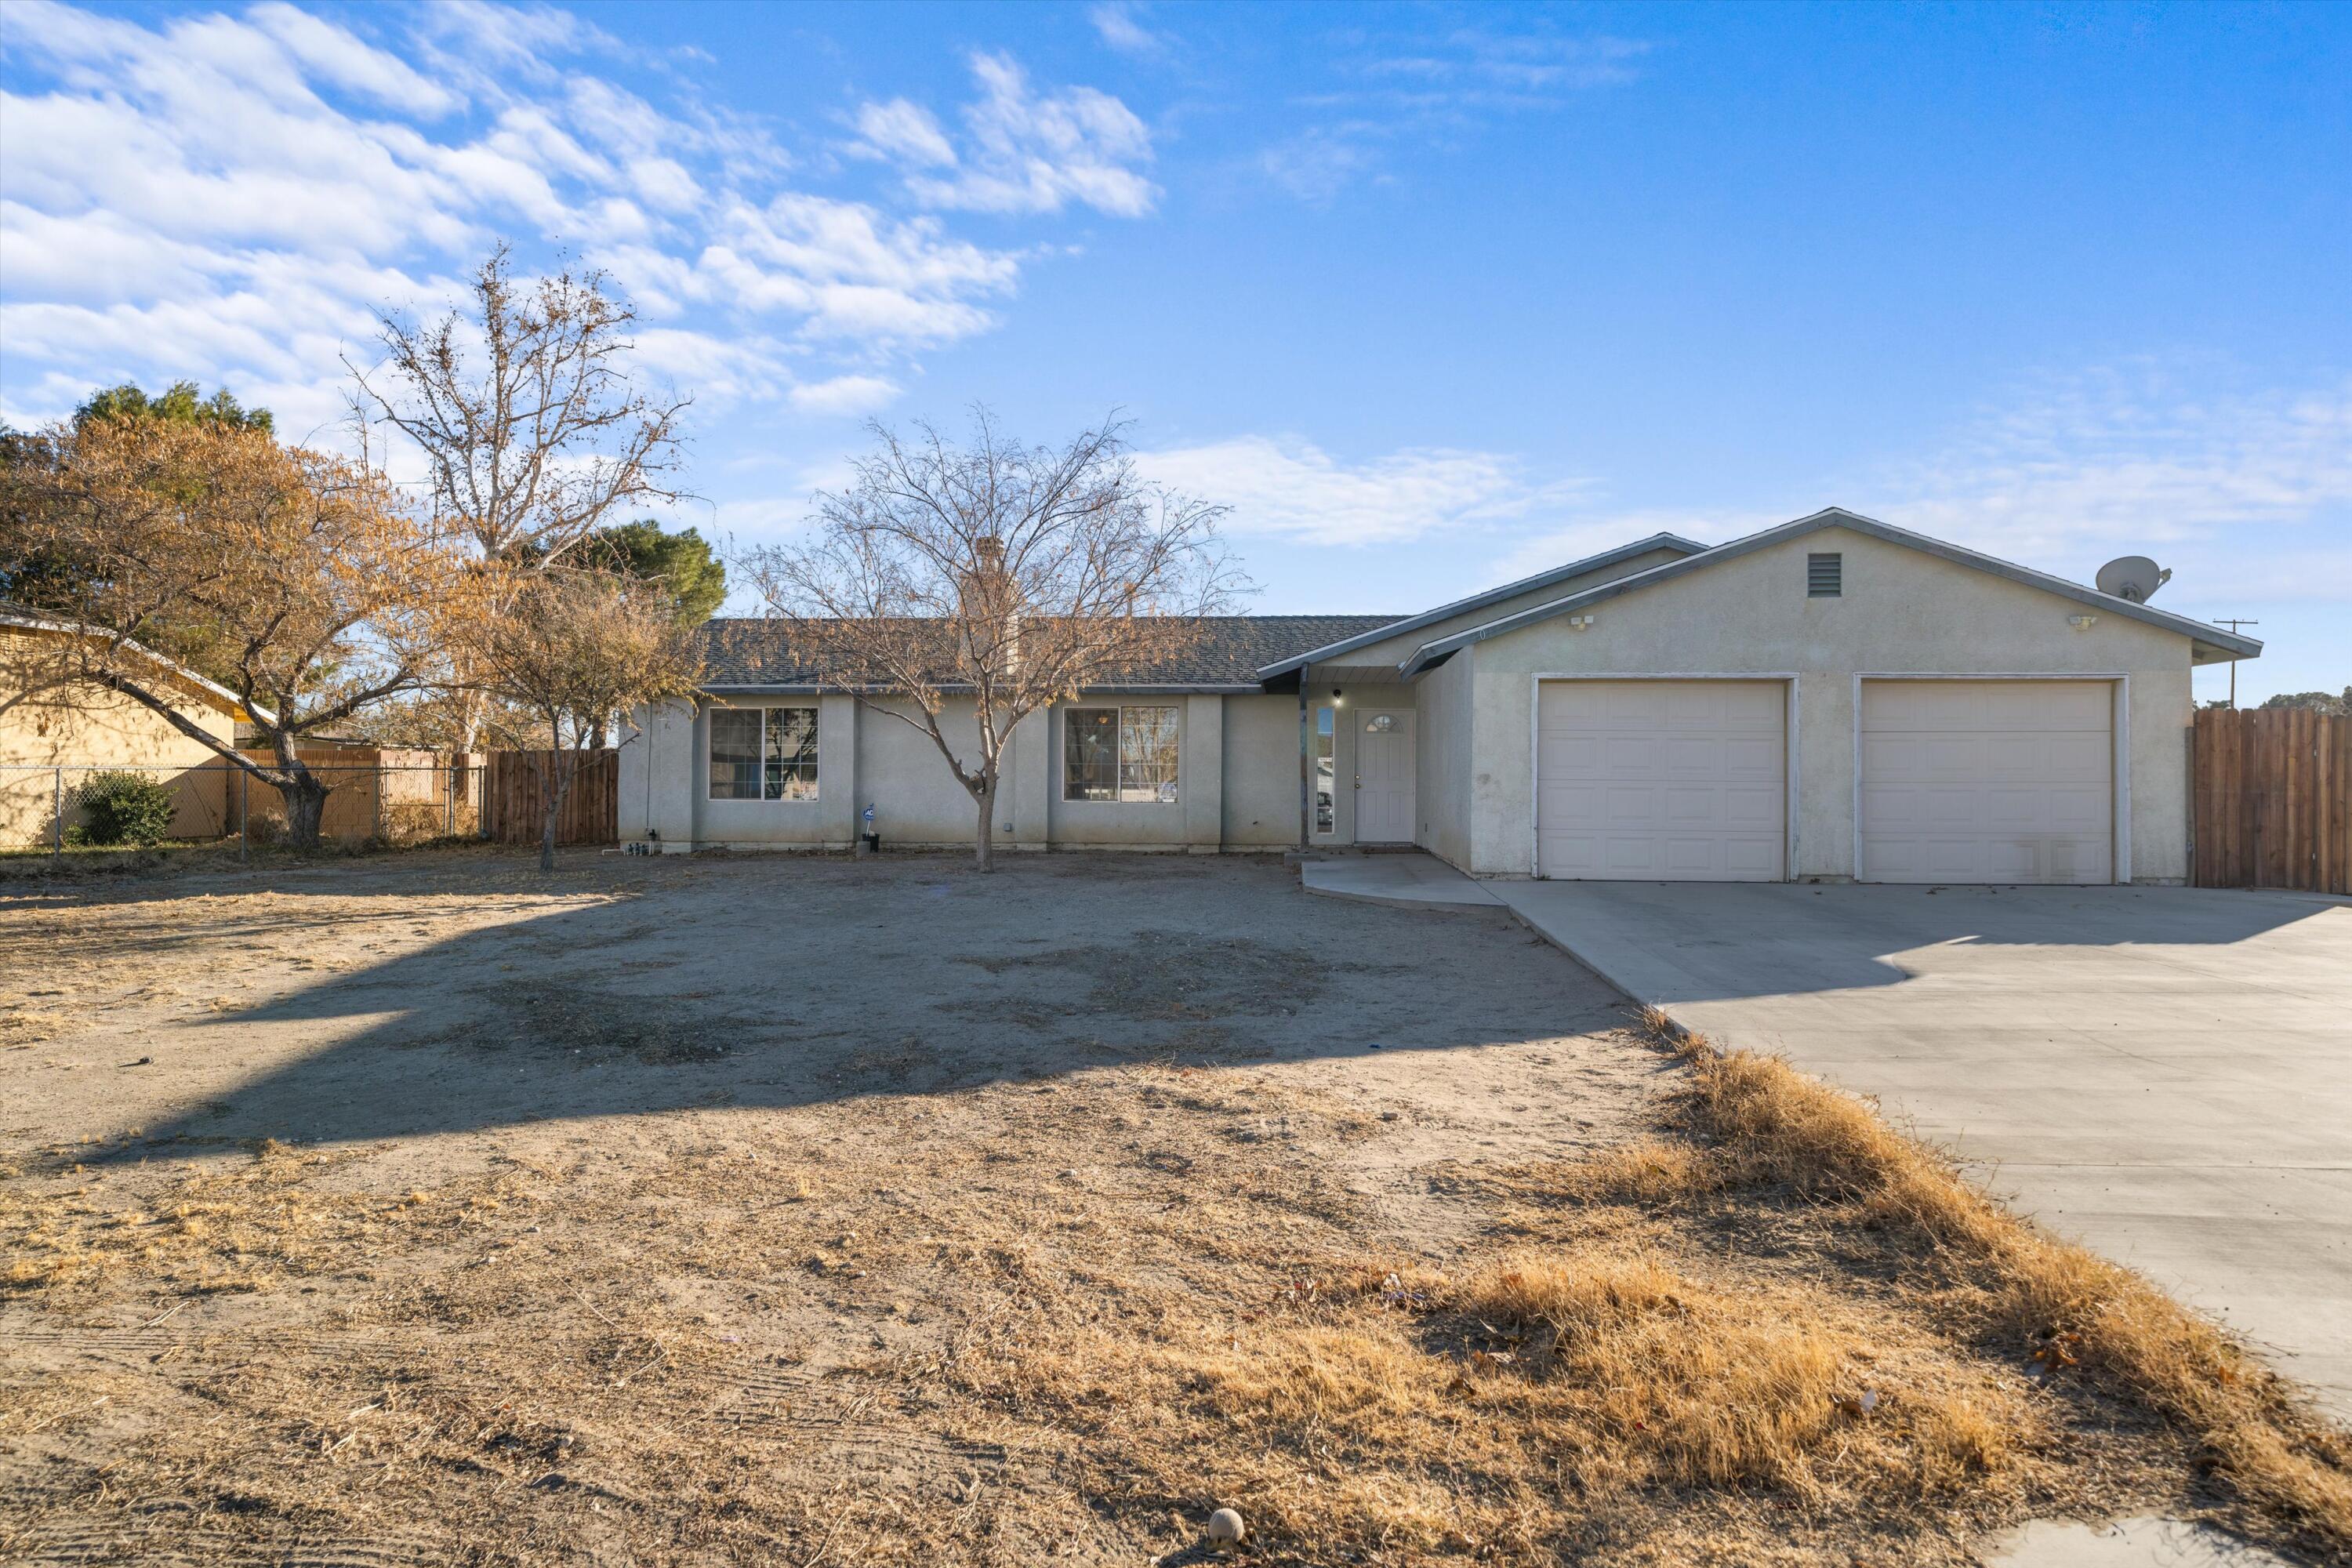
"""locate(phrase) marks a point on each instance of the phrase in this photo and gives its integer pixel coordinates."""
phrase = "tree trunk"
(306, 807)
(984, 846)
(554, 781)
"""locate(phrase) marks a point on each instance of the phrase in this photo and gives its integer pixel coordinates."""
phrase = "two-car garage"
(1965, 780)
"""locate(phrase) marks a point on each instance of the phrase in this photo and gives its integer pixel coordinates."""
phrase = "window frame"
(767, 773)
(1323, 770)
(1171, 793)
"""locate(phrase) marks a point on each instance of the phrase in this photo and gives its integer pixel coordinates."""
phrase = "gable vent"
(1824, 576)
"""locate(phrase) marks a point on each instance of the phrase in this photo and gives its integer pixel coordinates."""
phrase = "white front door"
(1988, 781)
(1662, 780)
(1384, 776)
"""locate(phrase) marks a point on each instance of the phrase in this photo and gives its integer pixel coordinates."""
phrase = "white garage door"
(1661, 780)
(1988, 781)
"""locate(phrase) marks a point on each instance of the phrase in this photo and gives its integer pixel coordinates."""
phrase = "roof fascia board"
(1492, 596)
(1832, 517)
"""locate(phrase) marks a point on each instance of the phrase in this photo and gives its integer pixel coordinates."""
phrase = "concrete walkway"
(2164, 1073)
(1401, 879)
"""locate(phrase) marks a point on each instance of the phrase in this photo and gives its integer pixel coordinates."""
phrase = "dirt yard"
(424, 1210)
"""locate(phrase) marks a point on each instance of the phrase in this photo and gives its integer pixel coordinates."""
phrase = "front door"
(1384, 800)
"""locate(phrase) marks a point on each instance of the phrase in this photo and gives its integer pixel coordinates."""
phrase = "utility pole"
(2234, 626)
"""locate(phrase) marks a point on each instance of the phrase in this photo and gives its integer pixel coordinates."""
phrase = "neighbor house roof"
(25, 618)
(757, 654)
(2225, 643)
(1331, 651)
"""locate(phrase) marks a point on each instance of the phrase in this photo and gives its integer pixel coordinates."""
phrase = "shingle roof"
(742, 652)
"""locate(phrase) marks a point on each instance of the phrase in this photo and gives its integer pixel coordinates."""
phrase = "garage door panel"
(1987, 781)
(1753, 810)
(1890, 757)
(1632, 807)
(1694, 776)
(1752, 757)
(2080, 811)
(1690, 757)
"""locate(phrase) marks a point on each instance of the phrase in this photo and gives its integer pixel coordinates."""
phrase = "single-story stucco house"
(1832, 699)
(47, 721)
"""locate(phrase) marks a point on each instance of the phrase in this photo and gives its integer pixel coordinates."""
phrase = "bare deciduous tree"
(534, 428)
(572, 648)
(1006, 575)
(304, 584)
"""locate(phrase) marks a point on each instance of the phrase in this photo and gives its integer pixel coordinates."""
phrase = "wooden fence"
(2272, 793)
(383, 793)
(514, 808)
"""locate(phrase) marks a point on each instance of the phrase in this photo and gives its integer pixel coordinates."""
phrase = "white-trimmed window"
(1326, 806)
(1119, 754)
(763, 754)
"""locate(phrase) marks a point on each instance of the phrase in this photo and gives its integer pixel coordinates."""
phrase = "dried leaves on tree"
(303, 583)
(573, 650)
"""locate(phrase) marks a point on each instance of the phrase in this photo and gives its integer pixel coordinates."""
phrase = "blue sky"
(1432, 296)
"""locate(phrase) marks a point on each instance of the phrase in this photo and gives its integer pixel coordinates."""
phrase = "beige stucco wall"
(1902, 612)
(868, 758)
(1260, 769)
(1446, 758)
(86, 727)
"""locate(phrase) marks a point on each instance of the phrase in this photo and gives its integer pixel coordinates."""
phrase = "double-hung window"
(1119, 754)
(763, 754)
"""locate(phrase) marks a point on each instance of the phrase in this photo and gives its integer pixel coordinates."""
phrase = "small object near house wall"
(1902, 612)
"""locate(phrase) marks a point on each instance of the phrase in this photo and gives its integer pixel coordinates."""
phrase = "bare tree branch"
(1011, 575)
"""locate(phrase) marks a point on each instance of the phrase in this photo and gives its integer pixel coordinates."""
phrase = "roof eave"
(1492, 596)
(229, 702)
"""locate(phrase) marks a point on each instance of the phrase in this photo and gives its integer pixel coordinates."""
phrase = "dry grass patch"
(2075, 1313)
(239, 1227)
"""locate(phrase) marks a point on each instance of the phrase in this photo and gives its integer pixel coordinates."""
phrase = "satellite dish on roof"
(2133, 577)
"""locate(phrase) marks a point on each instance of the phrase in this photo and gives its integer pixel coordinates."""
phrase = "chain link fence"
(60, 809)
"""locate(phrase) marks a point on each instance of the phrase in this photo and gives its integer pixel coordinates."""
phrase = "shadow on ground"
(784, 982)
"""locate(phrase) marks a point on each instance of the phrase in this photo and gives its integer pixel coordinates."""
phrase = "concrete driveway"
(2164, 1073)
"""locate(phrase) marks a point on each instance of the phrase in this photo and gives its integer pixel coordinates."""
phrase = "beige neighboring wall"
(1903, 611)
(83, 725)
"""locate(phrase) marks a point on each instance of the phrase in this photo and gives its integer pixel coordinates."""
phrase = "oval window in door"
(1379, 724)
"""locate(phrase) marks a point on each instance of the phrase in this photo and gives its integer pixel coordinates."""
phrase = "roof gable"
(1591, 564)
(1442, 648)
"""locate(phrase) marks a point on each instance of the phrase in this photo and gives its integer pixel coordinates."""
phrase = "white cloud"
(2244, 492)
(1293, 489)
(338, 58)
(1119, 25)
(1319, 163)
(1414, 87)
(903, 132)
(846, 395)
(228, 197)
(1024, 152)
